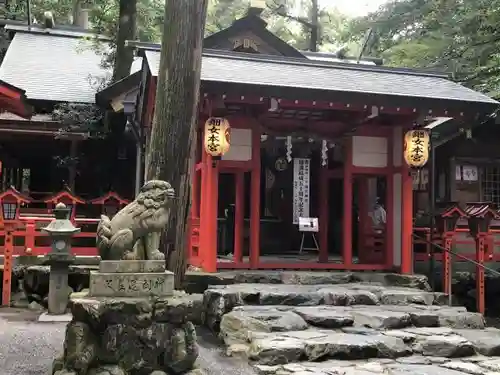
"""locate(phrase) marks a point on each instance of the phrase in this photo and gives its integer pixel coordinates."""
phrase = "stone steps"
(414, 365)
(221, 299)
(350, 329)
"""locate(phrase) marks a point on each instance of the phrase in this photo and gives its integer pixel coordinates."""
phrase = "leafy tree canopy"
(457, 36)
(221, 14)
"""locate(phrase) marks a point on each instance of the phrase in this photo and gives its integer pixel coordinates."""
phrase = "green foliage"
(103, 17)
(457, 36)
(222, 13)
(75, 117)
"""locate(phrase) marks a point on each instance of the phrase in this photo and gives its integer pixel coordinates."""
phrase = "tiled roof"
(54, 66)
(35, 118)
(340, 78)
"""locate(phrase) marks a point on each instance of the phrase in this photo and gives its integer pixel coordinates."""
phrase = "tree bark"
(172, 140)
(314, 36)
(127, 30)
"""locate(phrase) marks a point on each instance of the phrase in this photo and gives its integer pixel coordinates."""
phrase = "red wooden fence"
(29, 239)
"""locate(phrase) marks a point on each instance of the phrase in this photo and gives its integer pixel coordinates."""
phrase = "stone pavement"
(28, 347)
(350, 329)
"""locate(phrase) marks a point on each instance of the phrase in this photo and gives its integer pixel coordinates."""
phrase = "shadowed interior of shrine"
(282, 201)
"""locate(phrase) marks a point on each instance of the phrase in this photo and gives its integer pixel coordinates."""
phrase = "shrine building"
(316, 144)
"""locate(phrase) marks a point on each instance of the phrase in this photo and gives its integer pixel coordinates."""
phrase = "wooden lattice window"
(490, 184)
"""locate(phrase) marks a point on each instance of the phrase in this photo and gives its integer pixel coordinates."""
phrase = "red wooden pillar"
(239, 216)
(406, 221)
(363, 204)
(447, 244)
(255, 198)
(389, 202)
(480, 285)
(203, 212)
(323, 215)
(389, 226)
(208, 217)
(194, 210)
(213, 198)
(195, 191)
(7, 263)
(347, 206)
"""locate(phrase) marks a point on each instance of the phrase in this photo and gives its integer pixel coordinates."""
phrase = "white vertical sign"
(301, 179)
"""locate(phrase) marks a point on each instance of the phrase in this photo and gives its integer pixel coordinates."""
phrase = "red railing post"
(480, 287)
(29, 239)
(446, 261)
(7, 264)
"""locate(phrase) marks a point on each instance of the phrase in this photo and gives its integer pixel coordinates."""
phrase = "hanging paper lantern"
(217, 136)
(416, 148)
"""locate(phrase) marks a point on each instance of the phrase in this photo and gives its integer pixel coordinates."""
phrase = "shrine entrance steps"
(350, 328)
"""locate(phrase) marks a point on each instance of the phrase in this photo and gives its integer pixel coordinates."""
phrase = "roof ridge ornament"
(256, 7)
(48, 20)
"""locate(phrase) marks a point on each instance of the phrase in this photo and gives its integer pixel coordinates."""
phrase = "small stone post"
(60, 231)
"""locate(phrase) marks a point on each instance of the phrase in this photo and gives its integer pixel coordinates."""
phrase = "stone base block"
(132, 266)
(107, 284)
(130, 336)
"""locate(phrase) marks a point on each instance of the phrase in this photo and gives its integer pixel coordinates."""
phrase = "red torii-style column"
(10, 201)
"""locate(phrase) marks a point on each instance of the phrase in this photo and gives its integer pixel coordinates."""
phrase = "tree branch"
(279, 9)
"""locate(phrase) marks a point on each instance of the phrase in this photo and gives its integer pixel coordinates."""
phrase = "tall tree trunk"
(127, 30)
(314, 36)
(77, 7)
(173, 138)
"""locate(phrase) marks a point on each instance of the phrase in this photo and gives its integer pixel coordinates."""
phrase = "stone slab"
(131, 284)
(131, 266)
(415, 365)
(49, 318)
(220, 299)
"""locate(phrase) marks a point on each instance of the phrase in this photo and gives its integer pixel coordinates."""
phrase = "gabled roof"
(13, 100)
(118, 88)
(257, 26)
(53, 64)
(240, 73)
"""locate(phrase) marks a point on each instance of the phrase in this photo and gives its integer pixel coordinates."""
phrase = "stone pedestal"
(131, 278)
(58, 282)
(132, 322)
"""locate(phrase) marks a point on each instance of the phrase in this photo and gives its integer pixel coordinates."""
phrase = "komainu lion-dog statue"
(134, 232)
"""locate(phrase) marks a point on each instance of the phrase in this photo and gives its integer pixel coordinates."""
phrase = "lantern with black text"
(217, 136)
(416, 148)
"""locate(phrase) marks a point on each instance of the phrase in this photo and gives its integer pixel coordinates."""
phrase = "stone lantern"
(60, 231)
(446, 219)
(480, 215)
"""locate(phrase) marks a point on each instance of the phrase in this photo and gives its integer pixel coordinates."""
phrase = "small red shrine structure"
(110, 203)
(348, 121)
(70, 200)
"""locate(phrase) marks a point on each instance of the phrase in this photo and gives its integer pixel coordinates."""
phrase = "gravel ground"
(28, 347)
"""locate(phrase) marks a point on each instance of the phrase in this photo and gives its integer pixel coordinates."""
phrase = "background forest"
(457, 36)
